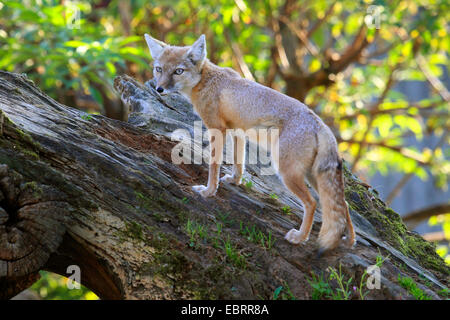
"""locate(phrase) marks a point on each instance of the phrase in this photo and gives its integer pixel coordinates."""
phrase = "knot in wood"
(32, 223)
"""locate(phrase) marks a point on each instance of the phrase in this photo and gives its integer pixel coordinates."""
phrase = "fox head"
(177, 69)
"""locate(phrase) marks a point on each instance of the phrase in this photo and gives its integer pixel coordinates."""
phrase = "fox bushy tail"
(328, 172)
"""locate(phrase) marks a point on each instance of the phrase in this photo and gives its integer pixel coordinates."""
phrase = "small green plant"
(219, 227)
(286, 210)
(273, 196)
(215, 240)
(185, 200)
(256, 236)
(247, 183)
(233, 254)
(444, 293)
(225, 218)
(409, 284)
(321, 288)
(379, 262)
(143, 201)
(402, 266)
(343, 292)
(268, 240)
(195, 231)
(283, 293)
(425, 281)
(86, 117)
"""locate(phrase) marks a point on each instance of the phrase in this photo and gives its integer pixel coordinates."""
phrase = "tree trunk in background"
(85, 190)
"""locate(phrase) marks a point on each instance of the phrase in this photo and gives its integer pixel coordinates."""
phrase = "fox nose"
(159, 89)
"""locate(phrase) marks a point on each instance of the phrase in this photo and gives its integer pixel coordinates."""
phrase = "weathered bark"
(102, 194)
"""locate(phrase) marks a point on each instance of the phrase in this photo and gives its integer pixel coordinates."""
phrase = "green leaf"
(96, 95)
(277, 292)
(74, 43)
(111, 68)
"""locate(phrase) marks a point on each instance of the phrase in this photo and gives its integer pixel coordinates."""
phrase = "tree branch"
(319, 22)
(302, 36)
(372, 108)
(377, 111)
(239, 58)
(437, 85)
(399, 186)
(414, 218)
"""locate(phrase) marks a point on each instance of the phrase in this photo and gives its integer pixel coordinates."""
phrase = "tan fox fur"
(307, 147)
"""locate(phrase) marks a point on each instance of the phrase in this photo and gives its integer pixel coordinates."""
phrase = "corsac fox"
(224, 100)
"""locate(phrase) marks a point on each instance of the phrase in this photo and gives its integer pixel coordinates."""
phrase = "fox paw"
(294, 236)
(231, 179)
(203, 191)
(349, 242)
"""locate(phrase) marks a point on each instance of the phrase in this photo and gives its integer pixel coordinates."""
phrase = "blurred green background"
(54, 287)
(344, 59)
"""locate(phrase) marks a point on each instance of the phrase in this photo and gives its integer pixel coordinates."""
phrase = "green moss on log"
(390, 225)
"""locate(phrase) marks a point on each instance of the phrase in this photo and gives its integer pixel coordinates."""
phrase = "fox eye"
(158, 69)
(179, 71)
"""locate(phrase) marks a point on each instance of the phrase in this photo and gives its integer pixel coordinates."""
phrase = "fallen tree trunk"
(85, 190)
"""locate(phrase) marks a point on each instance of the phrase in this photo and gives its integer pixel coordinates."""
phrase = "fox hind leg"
(296, 184)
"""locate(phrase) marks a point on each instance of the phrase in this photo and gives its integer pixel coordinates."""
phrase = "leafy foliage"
(54, 287)
(67, 62)
(444, 220)
(412, 288)
(283, 293)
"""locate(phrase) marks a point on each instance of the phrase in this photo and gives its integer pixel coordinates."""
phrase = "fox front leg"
(215, 161)
(238, 141)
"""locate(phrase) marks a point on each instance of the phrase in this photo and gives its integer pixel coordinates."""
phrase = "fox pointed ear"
(197, 52)
(155, 46)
